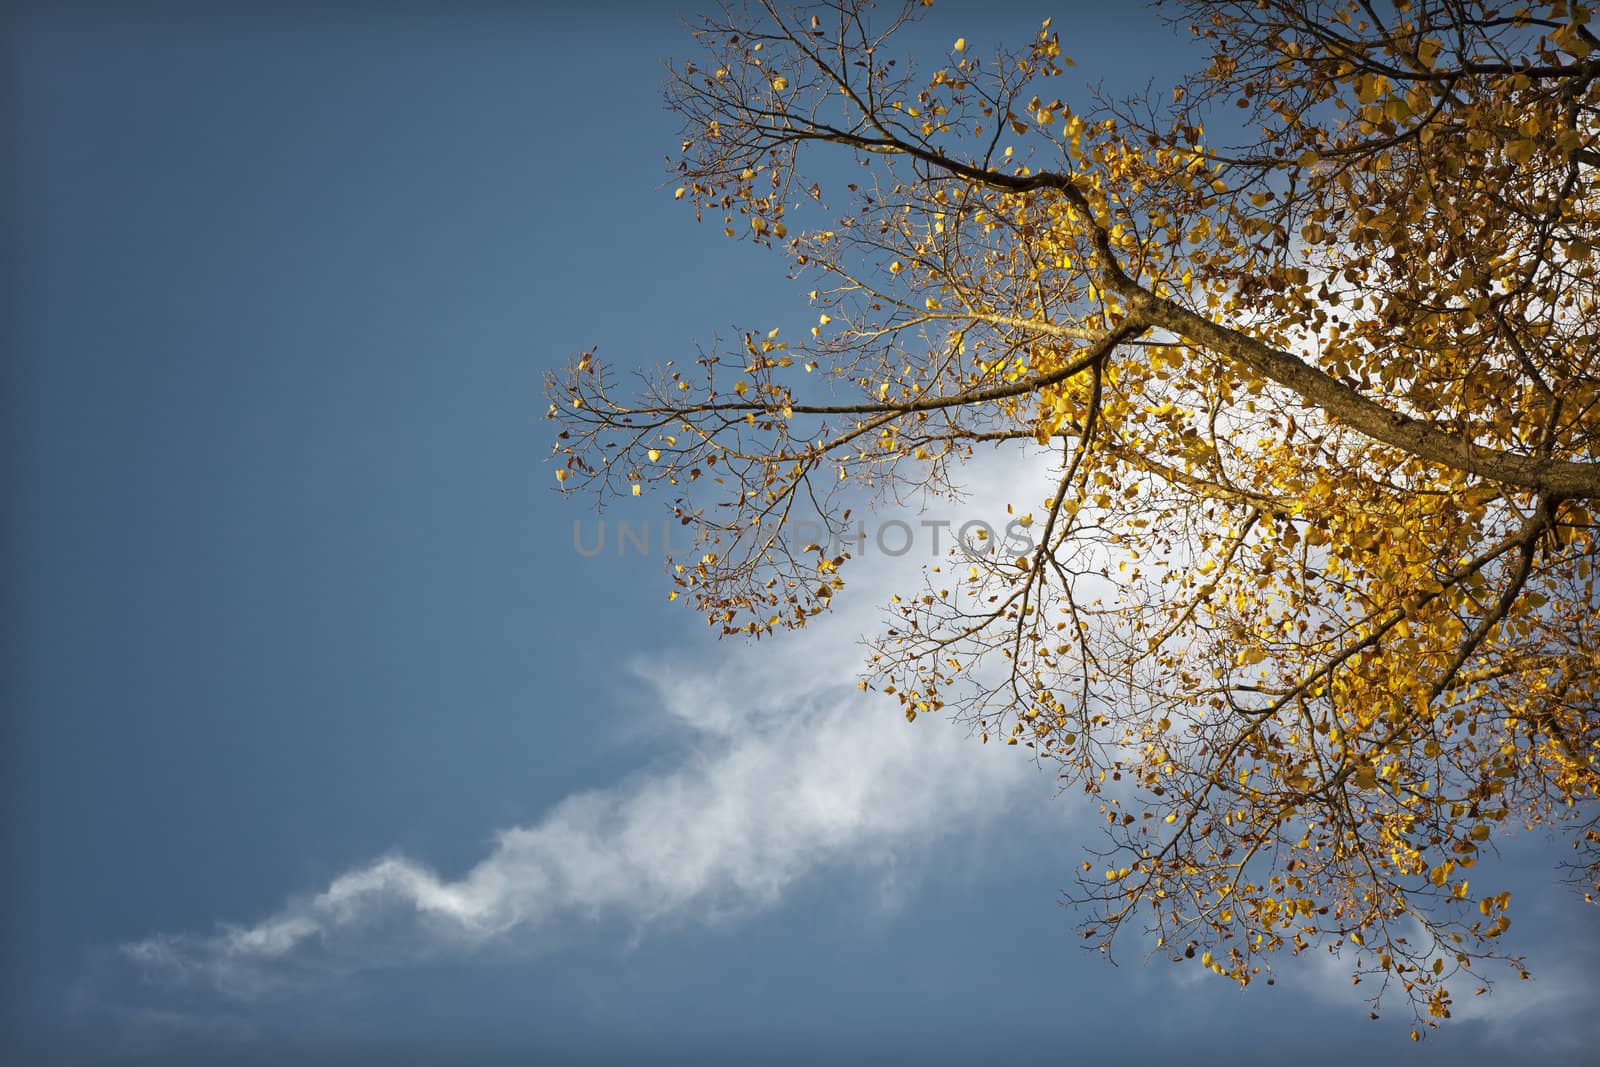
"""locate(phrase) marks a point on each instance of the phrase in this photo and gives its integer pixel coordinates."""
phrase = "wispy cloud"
(1548, 1013)
(786, 769)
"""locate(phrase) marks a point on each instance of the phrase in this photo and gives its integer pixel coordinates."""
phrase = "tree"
(1310, 609)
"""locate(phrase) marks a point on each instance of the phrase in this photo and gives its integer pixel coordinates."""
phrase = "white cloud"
(1547, 1013)
(787, 769)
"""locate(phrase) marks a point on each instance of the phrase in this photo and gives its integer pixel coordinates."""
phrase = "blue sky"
(322, 742)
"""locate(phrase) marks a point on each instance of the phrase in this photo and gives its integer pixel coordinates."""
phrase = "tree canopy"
(1308, 607)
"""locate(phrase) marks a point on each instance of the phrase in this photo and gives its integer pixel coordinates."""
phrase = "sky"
(324, 745)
